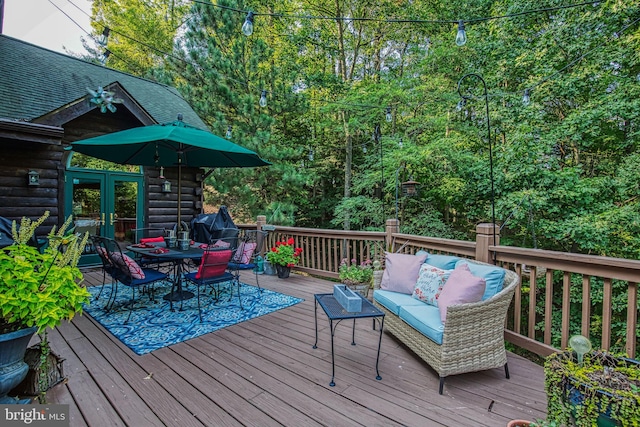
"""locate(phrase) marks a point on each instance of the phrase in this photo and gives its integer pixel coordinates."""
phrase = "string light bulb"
(526, 99)
(105, 56)
(228, 134)
(461, 36)
(364, 148)
(263, 99)
(104, 38)
(388, 115)
(311, 154)
(247, 27)
(400, 143)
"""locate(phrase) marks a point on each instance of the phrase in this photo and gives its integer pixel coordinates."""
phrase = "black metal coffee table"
(335, 311)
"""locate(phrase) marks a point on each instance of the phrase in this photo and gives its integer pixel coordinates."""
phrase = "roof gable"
(35, 82)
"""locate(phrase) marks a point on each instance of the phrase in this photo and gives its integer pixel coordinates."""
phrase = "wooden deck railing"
(560, 294)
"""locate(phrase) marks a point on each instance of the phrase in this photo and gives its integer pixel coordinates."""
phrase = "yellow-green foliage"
(562, 370)
(41, 289)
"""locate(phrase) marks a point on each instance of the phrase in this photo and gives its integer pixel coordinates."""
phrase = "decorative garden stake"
(580, 345)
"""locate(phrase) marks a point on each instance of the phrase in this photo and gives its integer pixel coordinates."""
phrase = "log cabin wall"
(17, 198)
(161, 208)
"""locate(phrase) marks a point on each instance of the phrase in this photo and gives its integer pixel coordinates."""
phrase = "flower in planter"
(284, 253)
(352, 273)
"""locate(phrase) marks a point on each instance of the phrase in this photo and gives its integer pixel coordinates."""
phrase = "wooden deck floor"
(264, 372)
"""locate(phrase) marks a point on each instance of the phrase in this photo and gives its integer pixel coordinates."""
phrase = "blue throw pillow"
(445, 262)
(494, 276)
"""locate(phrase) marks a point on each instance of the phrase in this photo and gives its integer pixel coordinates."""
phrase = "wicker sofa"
(472, 338)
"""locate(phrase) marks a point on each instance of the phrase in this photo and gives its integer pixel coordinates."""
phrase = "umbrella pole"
(179, 227)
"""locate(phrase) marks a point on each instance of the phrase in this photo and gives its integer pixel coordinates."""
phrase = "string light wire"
(312, 17)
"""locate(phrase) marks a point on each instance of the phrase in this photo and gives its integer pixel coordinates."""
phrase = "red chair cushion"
(213, 263)
(158, 239)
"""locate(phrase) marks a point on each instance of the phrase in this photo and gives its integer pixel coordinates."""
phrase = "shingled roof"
(35, 81)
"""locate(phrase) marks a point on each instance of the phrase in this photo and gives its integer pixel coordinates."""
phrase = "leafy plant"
(352, 273)
(284, 253)
(578, 394)
(40, 289)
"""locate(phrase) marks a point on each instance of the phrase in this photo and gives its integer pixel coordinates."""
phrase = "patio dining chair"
(249, 248)
(107, 267)
(212, 272)
(127, 272)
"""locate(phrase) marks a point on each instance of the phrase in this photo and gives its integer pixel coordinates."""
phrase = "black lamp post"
(376, 138)
(486, 103)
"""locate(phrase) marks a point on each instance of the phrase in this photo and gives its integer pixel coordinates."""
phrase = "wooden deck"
(264, 372)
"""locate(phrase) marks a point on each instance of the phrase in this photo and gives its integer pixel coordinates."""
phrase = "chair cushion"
(221, 244)
(425, 318)
(158, 239)
(213, 263)
(461, 287)
(244, 252)
(401, 272)
(392, 301)
(494, 276)
(431, 279)
(150, 275)
(134, 268)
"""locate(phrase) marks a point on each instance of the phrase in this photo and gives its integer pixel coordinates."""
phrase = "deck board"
(264, 372)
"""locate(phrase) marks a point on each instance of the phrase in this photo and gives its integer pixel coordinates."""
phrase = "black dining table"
(178, 257)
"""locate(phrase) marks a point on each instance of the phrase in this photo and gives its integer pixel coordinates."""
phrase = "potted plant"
(592, 388)
(356, 276)
(37, 291)
(284, 255)
(536, 423)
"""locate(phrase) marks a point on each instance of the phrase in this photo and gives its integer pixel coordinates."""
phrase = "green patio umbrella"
(169, 144)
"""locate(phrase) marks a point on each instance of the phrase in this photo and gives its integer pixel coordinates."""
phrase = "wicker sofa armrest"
(479, 322)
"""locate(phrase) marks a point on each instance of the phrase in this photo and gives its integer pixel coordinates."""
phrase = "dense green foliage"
(565, 166)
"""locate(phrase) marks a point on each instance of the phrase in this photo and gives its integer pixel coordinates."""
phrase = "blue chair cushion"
(392, 301)
(425, 319)
(494, 276)
(150, 275)
(237, 266)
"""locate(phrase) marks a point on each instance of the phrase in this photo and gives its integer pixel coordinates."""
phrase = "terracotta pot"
(519, 423)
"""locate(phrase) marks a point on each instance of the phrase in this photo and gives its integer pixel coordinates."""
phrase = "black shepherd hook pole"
(486, 103)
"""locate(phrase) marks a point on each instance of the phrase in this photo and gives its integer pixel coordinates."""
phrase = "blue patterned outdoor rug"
(153, 325)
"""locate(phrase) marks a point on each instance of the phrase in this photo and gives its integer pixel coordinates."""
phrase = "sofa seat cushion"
(493, 276)
(392, 301)
(425, 319)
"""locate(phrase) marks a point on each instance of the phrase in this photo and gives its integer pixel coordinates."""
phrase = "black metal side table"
(335, 311)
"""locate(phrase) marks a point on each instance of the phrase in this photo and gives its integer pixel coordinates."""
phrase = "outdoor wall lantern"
(34, 178)
(166, 186)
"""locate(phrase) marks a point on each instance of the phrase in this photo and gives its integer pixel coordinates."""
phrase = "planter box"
(31, 386)
(348, 299)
